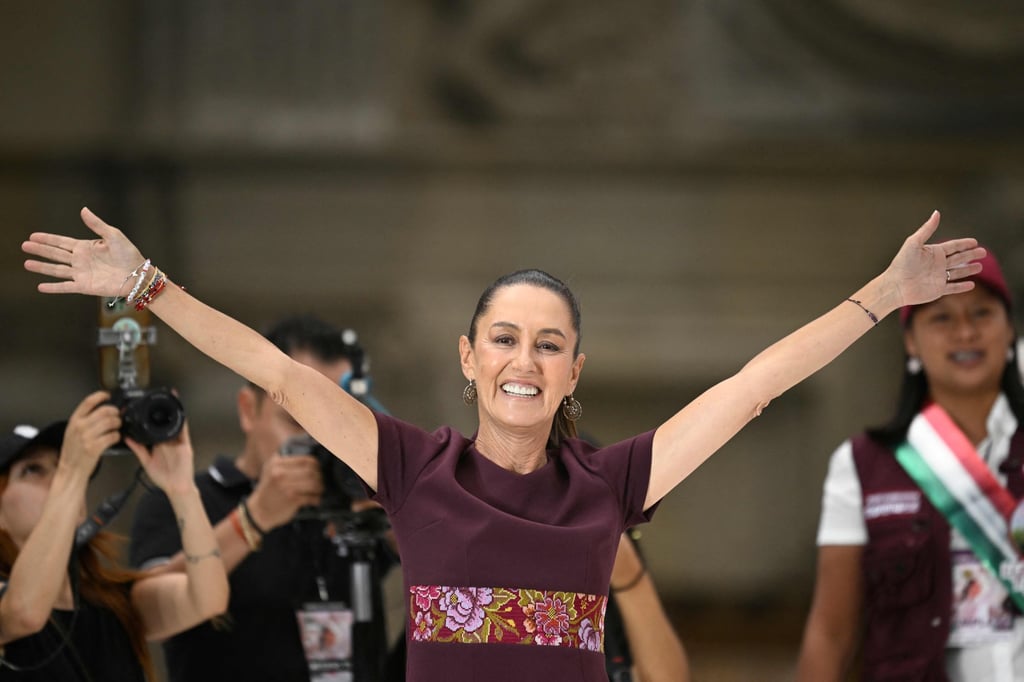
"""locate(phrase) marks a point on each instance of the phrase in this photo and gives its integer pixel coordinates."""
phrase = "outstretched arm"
(103, 267)
(919, 273)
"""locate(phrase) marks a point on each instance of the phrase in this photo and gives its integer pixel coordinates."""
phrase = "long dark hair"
(561, 428)
(914, 393)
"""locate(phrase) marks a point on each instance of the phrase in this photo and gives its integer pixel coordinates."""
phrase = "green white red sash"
(944, 463)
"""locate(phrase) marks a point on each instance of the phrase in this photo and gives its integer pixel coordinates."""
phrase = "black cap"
(14, 444)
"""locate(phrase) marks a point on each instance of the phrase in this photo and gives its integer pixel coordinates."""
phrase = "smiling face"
(23, 497)
(961, 341)
(522, 359)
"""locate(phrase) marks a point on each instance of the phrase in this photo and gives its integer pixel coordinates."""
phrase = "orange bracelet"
(236, 523)
(252, 537)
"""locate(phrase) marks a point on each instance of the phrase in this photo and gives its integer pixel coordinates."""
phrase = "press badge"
(326, 632)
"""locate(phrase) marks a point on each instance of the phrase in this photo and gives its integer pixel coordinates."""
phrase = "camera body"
(341, 485)
(148, 415)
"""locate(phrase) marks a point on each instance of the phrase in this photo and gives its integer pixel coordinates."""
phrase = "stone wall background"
(706, 175)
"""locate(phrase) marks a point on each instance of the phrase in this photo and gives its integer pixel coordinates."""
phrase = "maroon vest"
(908, 576)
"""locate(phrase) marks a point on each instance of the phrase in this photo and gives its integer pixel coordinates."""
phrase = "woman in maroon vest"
(894, 580)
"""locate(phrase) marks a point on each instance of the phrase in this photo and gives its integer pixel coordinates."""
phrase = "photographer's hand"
(93, 427)
(170, 463)
(169, 602)
(98, 267)
(287, 483)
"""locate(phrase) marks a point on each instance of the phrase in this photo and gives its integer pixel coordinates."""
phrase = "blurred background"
(706, 175)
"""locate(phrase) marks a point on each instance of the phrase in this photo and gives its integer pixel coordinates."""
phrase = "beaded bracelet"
(860, 305)
(138, 283)
(137, 272)
(248, 533)
(152, 290)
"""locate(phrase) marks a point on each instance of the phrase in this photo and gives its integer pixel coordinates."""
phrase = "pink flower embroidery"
(464, 607)
(547, 640)
(590, 638)
(424, 625)
(425, 594)
(551, 616)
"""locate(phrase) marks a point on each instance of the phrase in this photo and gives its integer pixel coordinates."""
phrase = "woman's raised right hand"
(97, 267)
(93, 427)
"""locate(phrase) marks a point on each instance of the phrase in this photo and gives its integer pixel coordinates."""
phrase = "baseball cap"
(16, 443)
(991, 277)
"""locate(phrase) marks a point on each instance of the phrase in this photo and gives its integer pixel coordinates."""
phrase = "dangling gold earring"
(469, 393)
(571, 408)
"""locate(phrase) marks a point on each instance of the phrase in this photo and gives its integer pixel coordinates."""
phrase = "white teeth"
(966, 356)
(519, 389)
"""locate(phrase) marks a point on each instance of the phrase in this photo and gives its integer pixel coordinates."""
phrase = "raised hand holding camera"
(92, 429)
(286, 484)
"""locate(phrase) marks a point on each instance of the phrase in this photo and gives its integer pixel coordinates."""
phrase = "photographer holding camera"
(304, 565)
(67, 610)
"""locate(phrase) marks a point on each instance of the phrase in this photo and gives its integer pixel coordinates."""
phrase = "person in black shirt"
(67, 610)
(302, 575)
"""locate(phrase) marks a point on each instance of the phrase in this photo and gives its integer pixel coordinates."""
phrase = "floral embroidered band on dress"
(493, 615)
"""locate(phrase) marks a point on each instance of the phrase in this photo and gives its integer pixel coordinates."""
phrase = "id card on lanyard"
(326, 632)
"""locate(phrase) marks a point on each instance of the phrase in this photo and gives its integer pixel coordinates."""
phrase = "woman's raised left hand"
(97, 267)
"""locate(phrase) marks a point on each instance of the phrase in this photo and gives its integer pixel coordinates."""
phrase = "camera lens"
(154, 417)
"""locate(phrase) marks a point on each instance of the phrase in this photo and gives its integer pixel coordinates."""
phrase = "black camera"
(148, 415)
(341, 485)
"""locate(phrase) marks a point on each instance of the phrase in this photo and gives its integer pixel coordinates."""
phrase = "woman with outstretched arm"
(508, 537)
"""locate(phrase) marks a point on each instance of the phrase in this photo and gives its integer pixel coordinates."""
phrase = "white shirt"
(842, 523)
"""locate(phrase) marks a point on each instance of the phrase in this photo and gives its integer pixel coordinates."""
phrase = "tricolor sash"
(948, 469)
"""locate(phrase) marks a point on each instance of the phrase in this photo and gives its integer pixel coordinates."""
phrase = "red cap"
(990, 277)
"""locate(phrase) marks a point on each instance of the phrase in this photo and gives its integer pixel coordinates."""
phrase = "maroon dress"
(506, 575)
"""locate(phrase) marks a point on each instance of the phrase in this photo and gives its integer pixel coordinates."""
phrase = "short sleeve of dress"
(403, 452)
(626, 468)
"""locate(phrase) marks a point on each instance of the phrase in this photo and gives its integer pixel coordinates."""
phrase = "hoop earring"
(469, 393)
(571, 408)
(914, 365)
